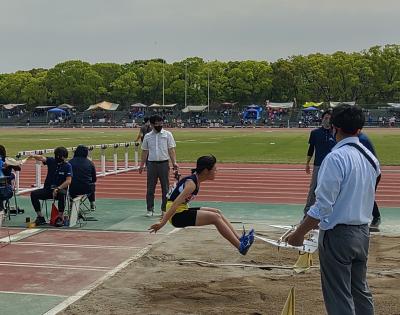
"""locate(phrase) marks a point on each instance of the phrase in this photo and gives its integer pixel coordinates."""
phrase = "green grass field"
(228, 145)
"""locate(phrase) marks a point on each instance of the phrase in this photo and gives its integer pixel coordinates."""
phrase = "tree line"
(371, 76)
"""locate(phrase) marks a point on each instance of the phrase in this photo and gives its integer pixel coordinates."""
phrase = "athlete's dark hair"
(61, 152)
(204, 162)
(348, 118)
(146, 119)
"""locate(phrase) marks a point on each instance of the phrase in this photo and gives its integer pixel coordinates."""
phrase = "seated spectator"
(6, 176)
(84, 180)
(59, 177)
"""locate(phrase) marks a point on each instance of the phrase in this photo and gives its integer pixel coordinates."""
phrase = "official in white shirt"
(344, 200)
(158, 147)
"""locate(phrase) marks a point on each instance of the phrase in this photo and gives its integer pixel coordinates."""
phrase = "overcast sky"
(42, 33)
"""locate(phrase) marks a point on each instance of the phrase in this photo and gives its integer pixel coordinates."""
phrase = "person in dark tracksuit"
(84, 180)
(7, 176)
(320, 142)
(144, 130)
(376, 214)
(59, 176)
(158, 148)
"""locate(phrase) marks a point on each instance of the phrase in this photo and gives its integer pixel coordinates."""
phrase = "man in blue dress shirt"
(345, 195)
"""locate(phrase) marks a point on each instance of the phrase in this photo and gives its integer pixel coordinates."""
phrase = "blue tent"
(253, 112)
(309, 109)
(56, 111)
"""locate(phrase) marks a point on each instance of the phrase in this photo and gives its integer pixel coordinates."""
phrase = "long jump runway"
(40, 271)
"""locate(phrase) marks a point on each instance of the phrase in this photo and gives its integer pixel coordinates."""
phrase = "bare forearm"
(39, 158)
(65, 184)
(172, 155)
(145, 154)
(308, 224)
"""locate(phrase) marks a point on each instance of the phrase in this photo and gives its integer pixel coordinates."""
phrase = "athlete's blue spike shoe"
(245, 243)
(251, 236)
(243, 234)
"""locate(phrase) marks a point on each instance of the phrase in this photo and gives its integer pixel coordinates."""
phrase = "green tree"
(74, 82)
(124, 90)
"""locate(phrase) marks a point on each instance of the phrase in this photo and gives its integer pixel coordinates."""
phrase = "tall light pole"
(163, 83)
(208, 90)
(185, 84)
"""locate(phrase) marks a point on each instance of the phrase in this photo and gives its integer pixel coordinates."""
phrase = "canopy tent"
(195, 109)
(44, 107)
(334, 104)
(310, 109)
(65, 106)
(12, 106)
(104, 105)
(280, 105)
(56, 111)
(312, 104)
(394, 105)
(162, 106)
(253, 106)
(138, 105)
(229, 103)
(252, 112)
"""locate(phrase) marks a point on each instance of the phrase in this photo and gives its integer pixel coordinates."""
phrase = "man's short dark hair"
(61, 152)
(327, 112)
(155, 118)
(348, 118)
(145, 119)
(81, 151)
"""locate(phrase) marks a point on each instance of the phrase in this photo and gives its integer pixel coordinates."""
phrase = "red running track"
(260, 183)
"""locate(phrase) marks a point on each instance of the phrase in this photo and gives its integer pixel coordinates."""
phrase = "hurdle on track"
(103, 165)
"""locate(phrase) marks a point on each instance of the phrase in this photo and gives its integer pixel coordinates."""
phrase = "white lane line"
(75, 245)
(63, 305)
(20, 236)
(29, 293)
(99, 231)
(52, 266)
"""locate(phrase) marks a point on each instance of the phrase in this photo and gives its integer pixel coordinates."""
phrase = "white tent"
(138, 105)
(280, 105)
(12, 106)
(394, 105)
(196, 109)
(162, 106)
(44, 107)
(65, 106)
(104, 105)
(334, 104)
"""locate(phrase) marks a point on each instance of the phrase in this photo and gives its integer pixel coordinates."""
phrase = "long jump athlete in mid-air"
(180, 215)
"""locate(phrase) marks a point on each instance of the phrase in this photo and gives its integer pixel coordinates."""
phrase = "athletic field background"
(247, 145)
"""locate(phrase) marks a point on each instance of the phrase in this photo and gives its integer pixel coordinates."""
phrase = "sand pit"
(162, 283)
